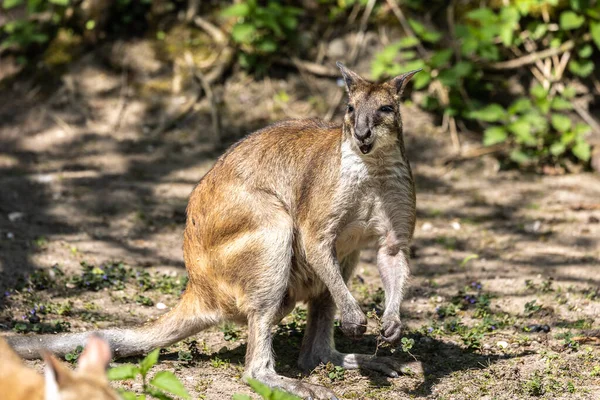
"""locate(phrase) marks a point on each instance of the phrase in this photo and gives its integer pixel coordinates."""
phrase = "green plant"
(335, 372)
(532, 307)
(261, 30)
(465, 72)
(159, 386)
(265, 392)
(230, 332)
(73, 356)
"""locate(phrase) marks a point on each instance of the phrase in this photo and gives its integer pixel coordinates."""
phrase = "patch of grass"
(217, 362)
(230, 332)
(158, 386)
(73, 356)
(534, 385)
(335, 372)
(143, 300)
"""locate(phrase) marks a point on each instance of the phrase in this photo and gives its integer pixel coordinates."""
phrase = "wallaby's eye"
(386, 109)
(350, 108)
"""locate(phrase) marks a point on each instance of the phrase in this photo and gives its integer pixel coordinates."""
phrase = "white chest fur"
(376, 199)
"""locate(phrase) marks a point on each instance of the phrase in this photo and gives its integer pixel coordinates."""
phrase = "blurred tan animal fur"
(88, 381)
(281, 218)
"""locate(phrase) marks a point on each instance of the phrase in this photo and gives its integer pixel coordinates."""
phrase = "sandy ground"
(84, 176)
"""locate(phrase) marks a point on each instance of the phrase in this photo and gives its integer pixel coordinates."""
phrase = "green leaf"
(427, 34)
(579, 5)
(236, 10)
(557, 148)
(408, 41)
(148, 362)
(6, 4)
(561, 122)
(582, 150)
(243, 33)
(581, 68)
(239, 396)
(538, 91)
(168, 382)
(582, 129)
(569, 92)
(127, 395)
(585, 51)
(421, 80)
(519, 157)
(267, 46)
(520, 106)
(595, 32)
(123, 372)
(510, 18)
(560, 103)
(260, 388)
(484, 15)
(494, 135)
(570, 20)
(157, 393)
(491, 113)
(60, 2)
(521, 128)
(440, 58)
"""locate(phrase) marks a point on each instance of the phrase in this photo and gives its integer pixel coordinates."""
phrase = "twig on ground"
(62, 124)
(354, 53)
(310, 67)
(123, 98)
(534, 57)
(477, 152)
(215, 116)
(222, 64)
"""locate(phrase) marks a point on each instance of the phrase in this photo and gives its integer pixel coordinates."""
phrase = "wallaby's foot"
(294, 386)
(386, 365)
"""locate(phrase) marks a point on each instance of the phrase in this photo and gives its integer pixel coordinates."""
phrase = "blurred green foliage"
(472, 53)
(466, 74)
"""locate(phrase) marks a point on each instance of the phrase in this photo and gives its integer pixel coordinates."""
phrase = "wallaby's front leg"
(392, 263)
(324, 262)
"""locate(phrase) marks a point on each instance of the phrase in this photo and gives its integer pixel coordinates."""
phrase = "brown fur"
(18, 382)
(281, 218)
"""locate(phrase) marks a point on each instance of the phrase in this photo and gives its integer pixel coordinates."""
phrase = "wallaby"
(88, 381)
(281, 218)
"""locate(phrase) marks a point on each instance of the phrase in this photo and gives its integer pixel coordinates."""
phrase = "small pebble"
(502, 344)
(15, 216)
(427, 226)
(455, 225)
(161, 306)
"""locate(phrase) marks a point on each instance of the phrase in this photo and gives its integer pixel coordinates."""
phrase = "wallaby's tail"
(186, 319)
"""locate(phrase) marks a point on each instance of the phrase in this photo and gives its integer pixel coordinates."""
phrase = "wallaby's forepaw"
(391, 330)
(354, 324)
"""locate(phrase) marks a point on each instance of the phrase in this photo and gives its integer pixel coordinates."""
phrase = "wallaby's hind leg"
(266, 304)
(318, 344)
(260, 364)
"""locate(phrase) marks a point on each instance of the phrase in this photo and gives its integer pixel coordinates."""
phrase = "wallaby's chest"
(374, 200)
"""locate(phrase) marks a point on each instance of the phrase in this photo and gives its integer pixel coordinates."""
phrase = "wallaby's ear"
(56, 375)
(399, 82)
(351, 78)
(95, 357)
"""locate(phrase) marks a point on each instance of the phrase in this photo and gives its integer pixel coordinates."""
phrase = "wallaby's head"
(88, 381)
(372, 117)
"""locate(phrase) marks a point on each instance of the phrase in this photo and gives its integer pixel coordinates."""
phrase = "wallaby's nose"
(362, 134)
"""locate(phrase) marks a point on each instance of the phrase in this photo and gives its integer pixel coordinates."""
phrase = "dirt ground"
(85, 176)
